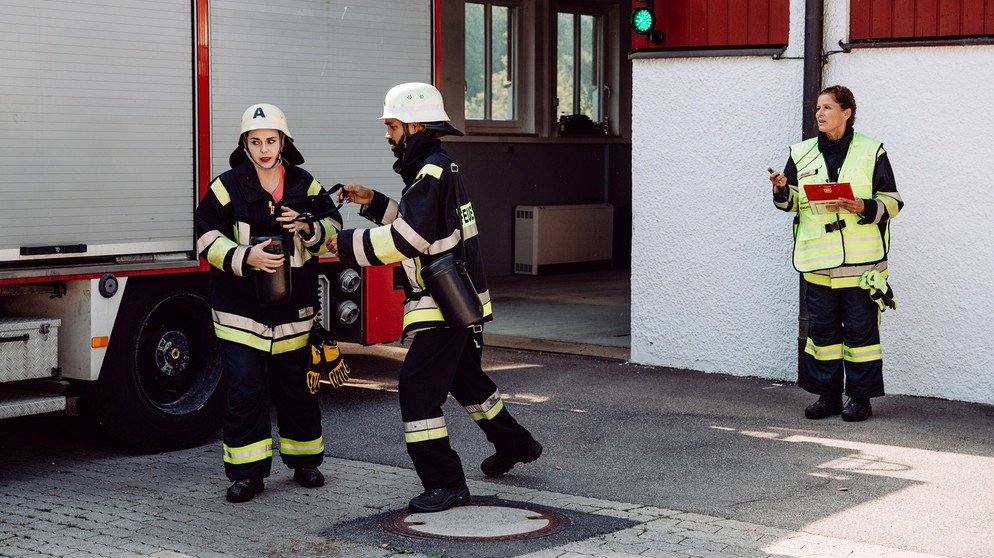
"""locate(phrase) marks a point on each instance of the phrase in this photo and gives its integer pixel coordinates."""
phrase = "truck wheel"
(161, 386)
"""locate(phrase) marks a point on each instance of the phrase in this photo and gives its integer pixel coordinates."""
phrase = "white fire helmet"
(264, 116)
(418, 102)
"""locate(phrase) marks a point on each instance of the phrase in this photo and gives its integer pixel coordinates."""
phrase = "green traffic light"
(642, 20)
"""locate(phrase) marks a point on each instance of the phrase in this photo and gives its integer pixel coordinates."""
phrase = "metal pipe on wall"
(814, 28)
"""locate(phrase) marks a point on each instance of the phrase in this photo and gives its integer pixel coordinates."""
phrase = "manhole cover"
(479, 522)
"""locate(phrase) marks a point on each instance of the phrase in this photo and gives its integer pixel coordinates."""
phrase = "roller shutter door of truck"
(328, 65)
(96, 129)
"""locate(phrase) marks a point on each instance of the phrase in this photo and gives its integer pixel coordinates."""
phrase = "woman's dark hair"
(845, 98)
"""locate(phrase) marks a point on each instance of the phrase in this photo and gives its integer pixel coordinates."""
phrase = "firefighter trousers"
(843, 353)
(257, 380)
(442, 361)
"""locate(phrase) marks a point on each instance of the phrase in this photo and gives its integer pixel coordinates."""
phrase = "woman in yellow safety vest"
(840, 247)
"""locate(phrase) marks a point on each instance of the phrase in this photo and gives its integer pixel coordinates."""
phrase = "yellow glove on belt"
(880, 292)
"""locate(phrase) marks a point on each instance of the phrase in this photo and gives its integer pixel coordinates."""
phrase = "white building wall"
(712, 284)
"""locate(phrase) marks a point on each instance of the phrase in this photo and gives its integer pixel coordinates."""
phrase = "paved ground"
(579, 313)
(699, 465)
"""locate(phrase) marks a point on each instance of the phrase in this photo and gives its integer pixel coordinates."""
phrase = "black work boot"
(440, 499)
(498, 464)
(308, 477)
(244, 490)
(826, 406)
(858, 409)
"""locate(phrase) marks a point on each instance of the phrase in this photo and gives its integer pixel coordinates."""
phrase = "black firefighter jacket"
(433, 216)
(237, 208)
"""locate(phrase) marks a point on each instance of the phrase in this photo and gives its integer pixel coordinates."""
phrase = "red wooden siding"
(920, 19)
(718, 23)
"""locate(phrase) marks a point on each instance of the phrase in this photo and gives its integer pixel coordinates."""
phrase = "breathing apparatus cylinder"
(273, 288)
(452, 289)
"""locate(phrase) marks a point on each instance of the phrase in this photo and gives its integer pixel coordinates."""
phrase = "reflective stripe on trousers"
(255, 380)
(442, 361)
(843, 352)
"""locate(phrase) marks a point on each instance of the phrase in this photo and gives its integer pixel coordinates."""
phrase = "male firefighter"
(434, 218)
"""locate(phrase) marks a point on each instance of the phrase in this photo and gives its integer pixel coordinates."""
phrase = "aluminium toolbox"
(29, 348)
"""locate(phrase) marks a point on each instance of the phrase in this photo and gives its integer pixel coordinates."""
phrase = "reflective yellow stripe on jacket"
(280, 339)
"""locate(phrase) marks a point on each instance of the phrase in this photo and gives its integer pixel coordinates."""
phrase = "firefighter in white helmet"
(433, 218)
(263, 325)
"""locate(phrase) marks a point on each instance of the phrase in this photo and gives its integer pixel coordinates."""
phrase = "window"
(579, 79)
(490, 62)
(517, 67)
(920, 19)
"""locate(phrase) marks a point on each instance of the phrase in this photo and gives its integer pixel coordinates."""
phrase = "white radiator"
(556, 235)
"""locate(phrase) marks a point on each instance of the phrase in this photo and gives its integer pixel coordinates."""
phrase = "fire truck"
(116, 115)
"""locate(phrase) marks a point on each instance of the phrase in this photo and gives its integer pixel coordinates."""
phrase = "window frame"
(536, 66)
(578, 10)
(518, 123)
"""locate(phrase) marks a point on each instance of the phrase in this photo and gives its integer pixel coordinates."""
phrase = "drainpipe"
(814, 30)
(814, 26)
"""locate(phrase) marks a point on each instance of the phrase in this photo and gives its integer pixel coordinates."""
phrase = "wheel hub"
(172, 354)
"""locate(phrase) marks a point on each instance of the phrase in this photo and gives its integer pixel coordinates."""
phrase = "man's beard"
(398, 149)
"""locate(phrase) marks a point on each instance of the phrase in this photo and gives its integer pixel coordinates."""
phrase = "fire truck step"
(19, 404)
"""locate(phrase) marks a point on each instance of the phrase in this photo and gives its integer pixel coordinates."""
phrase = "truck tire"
(161, 387)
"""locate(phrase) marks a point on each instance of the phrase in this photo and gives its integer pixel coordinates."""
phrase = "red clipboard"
(822, 198)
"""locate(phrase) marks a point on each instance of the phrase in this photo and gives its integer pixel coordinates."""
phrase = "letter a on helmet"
(264, 116)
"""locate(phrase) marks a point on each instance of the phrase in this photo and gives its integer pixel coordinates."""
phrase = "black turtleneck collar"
(835, 152)
(419, 147)
(826, 145)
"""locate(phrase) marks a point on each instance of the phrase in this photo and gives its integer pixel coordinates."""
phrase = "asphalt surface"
(703, 465)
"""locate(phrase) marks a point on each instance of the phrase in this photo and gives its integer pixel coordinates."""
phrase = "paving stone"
(96, 504)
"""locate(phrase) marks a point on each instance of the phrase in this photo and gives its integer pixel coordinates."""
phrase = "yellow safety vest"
(827, 241)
